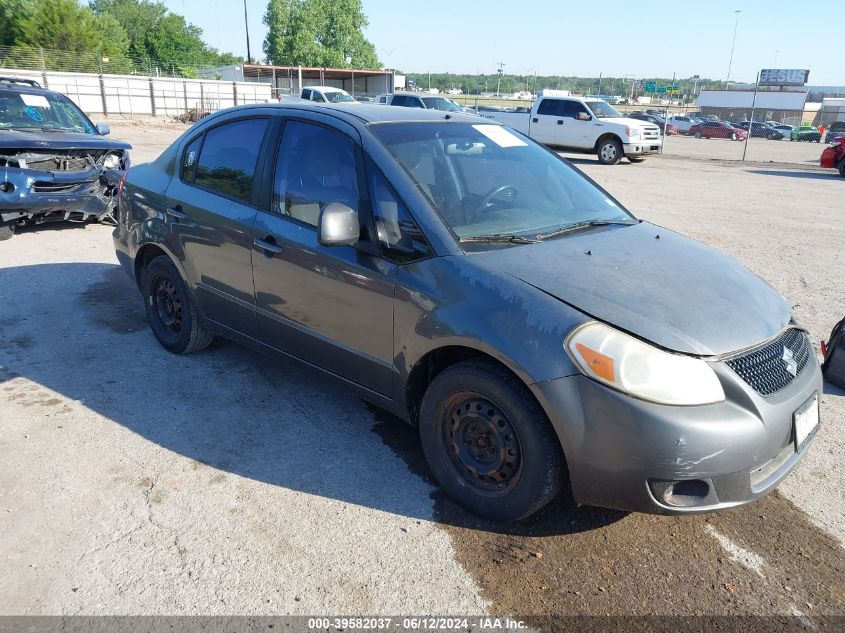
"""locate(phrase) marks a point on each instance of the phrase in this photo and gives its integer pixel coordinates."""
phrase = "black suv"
(57, 165)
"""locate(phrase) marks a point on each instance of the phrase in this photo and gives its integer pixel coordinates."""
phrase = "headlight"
(111, 161)
(632, 133)
(641, 370)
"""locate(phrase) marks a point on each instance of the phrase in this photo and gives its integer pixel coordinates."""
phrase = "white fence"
(133, 95)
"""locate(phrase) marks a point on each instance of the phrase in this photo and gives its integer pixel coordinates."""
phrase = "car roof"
(370, 112)
(324, 88)
(16, 84)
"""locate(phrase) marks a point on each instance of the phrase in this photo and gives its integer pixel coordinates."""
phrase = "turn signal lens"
(642, 370)
(600, 365)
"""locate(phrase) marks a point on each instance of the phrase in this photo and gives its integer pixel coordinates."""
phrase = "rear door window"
(229, 154)
(552, 107)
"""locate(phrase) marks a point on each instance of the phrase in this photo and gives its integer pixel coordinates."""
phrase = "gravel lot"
(136, 482)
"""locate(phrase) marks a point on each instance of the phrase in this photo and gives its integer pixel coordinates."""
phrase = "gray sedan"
(480, 287)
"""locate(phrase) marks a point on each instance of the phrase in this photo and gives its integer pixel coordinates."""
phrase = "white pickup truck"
(585, 124)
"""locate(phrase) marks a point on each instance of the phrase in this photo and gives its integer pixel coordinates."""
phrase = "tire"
(609, 151)
(6, 231)
(491, 411)
(771, 137)
(698, 135)
(636, 159)
(170, 309)
(842, 168)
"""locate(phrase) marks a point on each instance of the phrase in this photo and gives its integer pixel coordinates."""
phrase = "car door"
(547, 121)
(575, 131)
(330, 306)
(211, 207)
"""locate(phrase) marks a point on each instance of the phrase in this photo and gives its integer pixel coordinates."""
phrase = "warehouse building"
(786, 106)
(290, 80)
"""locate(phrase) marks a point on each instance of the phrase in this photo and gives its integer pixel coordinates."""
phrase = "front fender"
(455, 301)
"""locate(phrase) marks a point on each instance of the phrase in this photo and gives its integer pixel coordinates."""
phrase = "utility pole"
(599, 93)
(246, 26)
(500, 73)
(733, 45)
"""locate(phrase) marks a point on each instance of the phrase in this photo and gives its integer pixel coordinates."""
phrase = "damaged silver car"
(55, 164)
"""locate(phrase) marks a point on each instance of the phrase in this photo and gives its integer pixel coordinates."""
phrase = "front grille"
(765, 368)
(52, 187)
(60, 164)
(651, 133)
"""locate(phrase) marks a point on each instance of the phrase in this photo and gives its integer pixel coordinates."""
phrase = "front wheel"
(488, 443)
(6, 231)
(171, 313)
(698, 135)
(609, 151)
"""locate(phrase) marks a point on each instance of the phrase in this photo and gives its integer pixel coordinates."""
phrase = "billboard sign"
(783, 77)
(649, 86)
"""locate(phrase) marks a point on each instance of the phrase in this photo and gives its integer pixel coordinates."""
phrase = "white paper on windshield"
(36, 101)
(500, 136)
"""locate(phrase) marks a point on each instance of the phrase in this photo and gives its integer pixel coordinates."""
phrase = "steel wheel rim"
(483, 445)
(168, 305)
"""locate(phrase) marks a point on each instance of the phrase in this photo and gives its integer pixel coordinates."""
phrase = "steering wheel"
(487, 201)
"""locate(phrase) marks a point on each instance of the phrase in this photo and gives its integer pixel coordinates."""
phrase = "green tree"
(323, 33)
(157, 36)
(12, 14)
(66, 26)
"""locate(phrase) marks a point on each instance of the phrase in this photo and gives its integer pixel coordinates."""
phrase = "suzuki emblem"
(788, 359)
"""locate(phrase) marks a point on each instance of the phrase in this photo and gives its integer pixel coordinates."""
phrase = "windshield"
(603, 110)
(439, 103)
(485, 180)
(337, 97)
(42, 111)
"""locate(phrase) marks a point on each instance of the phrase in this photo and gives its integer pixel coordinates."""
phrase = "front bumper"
(623, 452)
(39, 196)
(642, 147)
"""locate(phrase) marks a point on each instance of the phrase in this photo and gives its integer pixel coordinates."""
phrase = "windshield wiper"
(577, 226)
(499, 237)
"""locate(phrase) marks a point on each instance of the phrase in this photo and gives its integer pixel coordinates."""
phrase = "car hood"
(635, 123)
(656, 284)
(17, 139)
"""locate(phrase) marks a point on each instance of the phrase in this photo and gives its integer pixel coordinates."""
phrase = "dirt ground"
(135, 482)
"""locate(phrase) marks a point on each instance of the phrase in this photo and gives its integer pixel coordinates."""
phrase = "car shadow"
(813, 175)
(80, 331)
(832, 390)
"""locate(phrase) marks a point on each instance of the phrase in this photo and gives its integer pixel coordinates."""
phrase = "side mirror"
(338, 225)
(583, 116)
(103, 129)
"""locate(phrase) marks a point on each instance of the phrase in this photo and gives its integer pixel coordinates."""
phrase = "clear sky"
(565, 37)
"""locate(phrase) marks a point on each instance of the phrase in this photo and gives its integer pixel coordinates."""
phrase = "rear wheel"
(698, 135)
(609, 151)
(488, 443)
(171, 313)
(6, 231)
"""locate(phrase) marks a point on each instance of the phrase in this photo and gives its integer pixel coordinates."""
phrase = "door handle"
(268, 245)
(560, 121)
(535, 120)
(176, 213)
